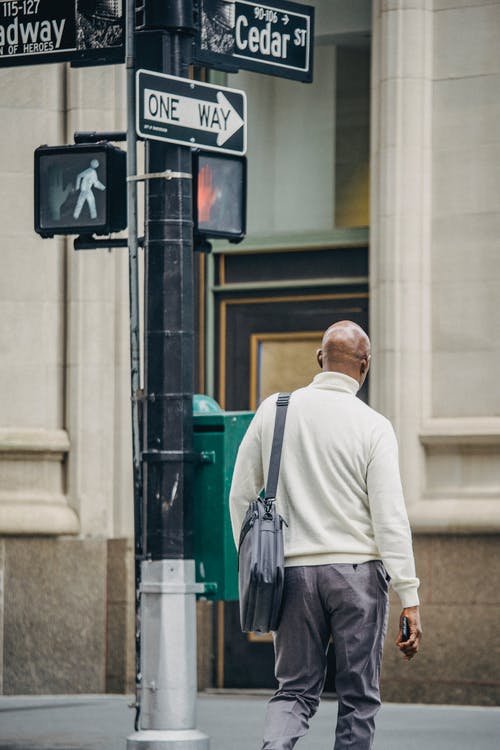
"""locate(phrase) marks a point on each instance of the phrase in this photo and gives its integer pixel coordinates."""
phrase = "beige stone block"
(401, 257)
(32, 498)
(31, 475)
(389, 49)
(466, 181)
(466, 41)
(94, 119)
(35, 270)
(387, 324)
(96, 88)
(459, 312)
(443, 470)
(403, 32)
(463, 471)
(32, 332)
(40, 516)
(91, 428)
(53, 343)
(54, 635)
(388, 181)
(91, 277)
(39, 87)
(31, 128)
(55, 396)
(96, 339)
(465, 249)
(31, 396)
(16, 199)
(99, 334)
(461, 386)
(465, 112)
(96, 402)
(389, 125)
(19, 340)
(410, 408)
(444, 515)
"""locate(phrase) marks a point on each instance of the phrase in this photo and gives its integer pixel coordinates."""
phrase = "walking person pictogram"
(85, 183)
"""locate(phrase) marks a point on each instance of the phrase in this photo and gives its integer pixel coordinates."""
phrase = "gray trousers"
(349, 604)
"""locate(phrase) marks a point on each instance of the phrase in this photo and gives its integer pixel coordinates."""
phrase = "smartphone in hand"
(405, 630)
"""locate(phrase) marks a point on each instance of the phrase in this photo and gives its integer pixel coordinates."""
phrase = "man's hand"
(410, 647)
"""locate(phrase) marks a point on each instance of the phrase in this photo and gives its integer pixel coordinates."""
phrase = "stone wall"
(67, 611)
(459, 661)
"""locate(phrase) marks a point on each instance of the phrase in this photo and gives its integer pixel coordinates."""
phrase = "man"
(347, 535)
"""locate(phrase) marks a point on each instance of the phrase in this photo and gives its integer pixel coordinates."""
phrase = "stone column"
(34, 442)
(400, 224)
(434, 254)
(98, 391)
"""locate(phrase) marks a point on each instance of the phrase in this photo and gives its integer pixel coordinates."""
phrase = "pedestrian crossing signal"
(80, 189)
(220, 196)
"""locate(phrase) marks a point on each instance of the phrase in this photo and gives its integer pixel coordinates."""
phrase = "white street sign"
(190, 113)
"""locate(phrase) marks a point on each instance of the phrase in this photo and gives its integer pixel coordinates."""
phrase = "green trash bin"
(217, 436)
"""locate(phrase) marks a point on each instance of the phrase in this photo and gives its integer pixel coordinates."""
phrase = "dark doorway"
(271, 309)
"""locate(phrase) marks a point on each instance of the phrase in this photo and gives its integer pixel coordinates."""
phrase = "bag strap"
(275, 459)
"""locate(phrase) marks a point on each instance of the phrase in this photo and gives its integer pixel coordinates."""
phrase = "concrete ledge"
(455, 515)
(32, 499)
(42, 516)
(24, 441)
(461, 431)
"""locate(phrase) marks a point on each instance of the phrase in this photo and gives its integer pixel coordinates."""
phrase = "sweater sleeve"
(248, 475)
(389, 517)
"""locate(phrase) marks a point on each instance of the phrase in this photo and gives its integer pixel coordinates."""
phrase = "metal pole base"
(178, 739)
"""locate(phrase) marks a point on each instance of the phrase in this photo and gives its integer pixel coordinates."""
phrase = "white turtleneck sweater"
(339, 487)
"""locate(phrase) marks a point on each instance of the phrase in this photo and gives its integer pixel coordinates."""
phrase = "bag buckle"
(268, 504)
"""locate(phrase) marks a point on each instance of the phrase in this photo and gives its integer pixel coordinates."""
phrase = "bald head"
(345, 348)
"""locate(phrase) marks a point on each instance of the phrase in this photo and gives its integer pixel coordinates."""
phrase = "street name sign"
(189, 113)
(276, 39)
(85, 32)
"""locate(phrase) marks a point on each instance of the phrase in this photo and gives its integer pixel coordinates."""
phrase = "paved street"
(234, 722)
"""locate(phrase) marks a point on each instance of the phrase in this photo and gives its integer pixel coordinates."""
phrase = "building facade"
(373, 195)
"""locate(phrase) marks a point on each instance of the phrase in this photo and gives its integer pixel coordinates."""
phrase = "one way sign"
(190, 113)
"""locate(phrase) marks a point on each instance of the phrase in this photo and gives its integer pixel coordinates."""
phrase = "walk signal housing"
(220, 195)
(80, 189)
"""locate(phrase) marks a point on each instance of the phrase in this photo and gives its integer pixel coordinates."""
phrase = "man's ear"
(365, 365)
(319, 357)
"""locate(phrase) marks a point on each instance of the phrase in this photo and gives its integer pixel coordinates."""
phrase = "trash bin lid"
(203, 404)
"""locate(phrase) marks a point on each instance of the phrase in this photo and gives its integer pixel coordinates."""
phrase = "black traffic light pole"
(169, 317)
(168, 588)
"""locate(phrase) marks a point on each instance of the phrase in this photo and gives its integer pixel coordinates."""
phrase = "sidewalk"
(102, 722)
